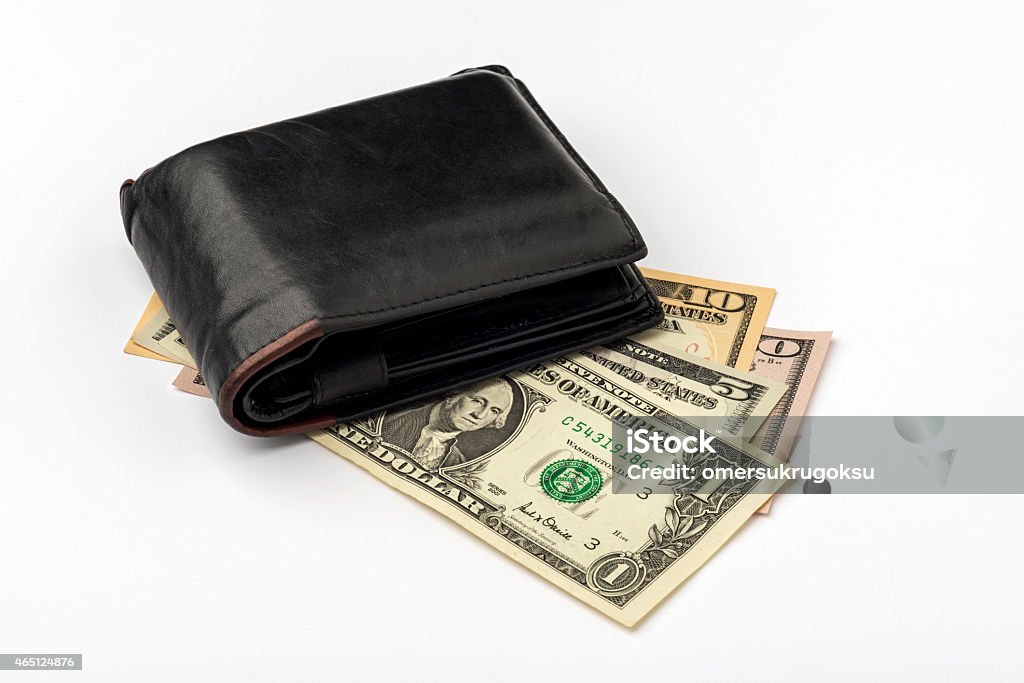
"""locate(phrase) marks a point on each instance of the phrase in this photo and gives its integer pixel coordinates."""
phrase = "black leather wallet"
(342, 262)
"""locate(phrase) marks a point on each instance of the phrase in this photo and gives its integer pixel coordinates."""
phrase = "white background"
(864, 158)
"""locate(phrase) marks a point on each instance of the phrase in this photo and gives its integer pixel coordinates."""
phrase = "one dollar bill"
(620, 553)
(512, 484)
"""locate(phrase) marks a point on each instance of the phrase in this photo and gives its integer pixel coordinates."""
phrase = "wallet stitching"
(628, 322)
(633, 294)
(351, 314)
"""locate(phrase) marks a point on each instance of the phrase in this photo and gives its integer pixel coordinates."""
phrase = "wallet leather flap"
(421, 200)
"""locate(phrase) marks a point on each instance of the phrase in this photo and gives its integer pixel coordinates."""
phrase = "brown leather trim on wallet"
(276, 349)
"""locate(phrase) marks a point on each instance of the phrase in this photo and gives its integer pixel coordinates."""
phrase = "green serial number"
(601, 439)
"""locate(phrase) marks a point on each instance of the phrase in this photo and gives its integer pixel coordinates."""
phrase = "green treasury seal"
(571, 481)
